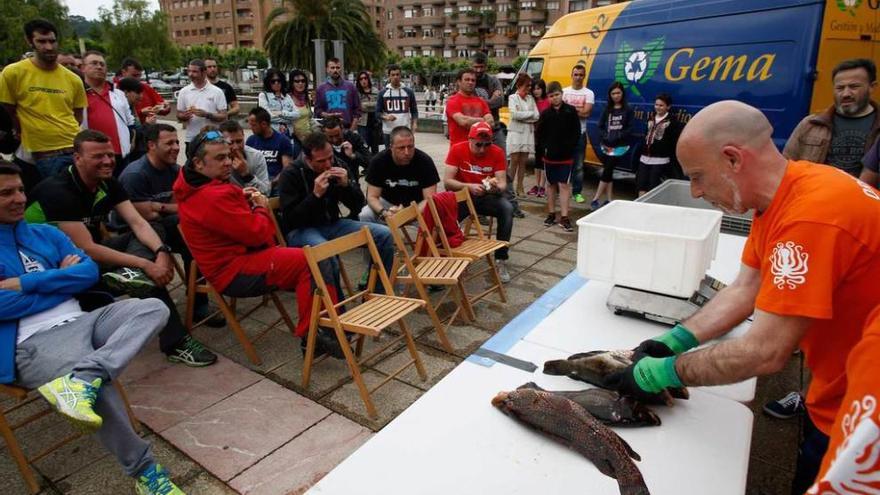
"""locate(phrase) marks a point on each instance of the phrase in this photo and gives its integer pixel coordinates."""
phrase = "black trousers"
(174, 331)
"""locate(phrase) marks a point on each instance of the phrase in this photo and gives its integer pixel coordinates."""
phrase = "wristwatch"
(163, 248)
(382, 212)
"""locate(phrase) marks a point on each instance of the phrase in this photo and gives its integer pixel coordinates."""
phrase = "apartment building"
(455, 29)
(225, 24)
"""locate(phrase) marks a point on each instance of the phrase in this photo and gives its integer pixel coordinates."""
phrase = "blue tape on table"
(525, 322)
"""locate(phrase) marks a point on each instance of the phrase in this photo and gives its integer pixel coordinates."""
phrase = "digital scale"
(661, 308)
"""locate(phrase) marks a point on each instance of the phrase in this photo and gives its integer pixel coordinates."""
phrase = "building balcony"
(431, 42)
(411, 21)
(533, 16)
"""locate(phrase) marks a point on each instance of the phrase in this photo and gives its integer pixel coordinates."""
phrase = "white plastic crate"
(658, 248)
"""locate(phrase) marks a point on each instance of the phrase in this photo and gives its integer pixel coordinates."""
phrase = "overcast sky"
(89, 8)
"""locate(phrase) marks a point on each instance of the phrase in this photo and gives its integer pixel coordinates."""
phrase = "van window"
(534, 66)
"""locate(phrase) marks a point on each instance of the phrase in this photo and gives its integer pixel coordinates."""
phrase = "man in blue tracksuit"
(48, 342)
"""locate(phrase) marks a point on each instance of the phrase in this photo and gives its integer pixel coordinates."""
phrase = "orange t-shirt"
(854, 448)
(818, 249)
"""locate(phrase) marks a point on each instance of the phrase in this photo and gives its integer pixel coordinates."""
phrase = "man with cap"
(480, 165)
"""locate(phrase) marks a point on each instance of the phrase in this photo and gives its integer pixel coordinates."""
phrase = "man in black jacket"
(556, 134)
(311, 190)
(348, 146)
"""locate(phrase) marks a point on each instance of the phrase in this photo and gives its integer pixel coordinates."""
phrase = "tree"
(132, 29)
(296, 23)
(426, 68)
(518, 62)
(241, 57)
(199, 52)
(15, 13)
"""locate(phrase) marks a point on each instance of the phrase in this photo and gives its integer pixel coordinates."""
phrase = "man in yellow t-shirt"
(45, 100)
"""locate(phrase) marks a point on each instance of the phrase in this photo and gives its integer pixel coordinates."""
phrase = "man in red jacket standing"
(231, 235)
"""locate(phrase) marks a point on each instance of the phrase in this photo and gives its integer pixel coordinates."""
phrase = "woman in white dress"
(521, 131)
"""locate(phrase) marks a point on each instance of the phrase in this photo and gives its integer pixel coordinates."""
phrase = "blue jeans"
(577, 171)
(810, 453)
(51, 165)
(313, 236)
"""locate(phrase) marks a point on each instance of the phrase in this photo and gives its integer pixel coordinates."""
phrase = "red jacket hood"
(219, 225)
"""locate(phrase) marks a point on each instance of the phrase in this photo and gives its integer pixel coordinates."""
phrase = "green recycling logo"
(636, 67)
(849, 6)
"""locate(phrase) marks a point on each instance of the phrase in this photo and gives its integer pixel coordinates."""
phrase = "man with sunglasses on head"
(480, 166)
(44, 100)
(232, 236)
(213, 73)
(138, 262)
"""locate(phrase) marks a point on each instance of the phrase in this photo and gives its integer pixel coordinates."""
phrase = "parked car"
(160, 85)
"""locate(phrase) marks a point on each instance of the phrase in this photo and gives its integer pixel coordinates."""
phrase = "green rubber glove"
(672, 343)
(653, 375)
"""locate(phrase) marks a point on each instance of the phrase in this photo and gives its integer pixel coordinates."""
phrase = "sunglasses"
(297, 81)
(208, 137)
(364, 78)
(483, 145)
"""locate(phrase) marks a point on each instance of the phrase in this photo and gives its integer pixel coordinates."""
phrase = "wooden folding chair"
(428, 270)
(368, 319)
(197, 284)
(7, 430)
(475, 246)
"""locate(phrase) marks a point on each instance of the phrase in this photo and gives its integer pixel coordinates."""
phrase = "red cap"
(480, 129)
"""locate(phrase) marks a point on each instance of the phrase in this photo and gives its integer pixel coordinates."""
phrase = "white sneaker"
(503, 274)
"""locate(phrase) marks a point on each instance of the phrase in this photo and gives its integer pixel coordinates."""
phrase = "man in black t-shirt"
(213, 73)
(138, 262)
(398, 176)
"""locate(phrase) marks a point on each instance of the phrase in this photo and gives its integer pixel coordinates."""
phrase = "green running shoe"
(154, 480)
(579, 198)
(131, 281)
(74, 399)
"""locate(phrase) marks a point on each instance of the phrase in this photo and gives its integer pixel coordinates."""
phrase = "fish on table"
(607, 406)
(595, 366)
(570, 424)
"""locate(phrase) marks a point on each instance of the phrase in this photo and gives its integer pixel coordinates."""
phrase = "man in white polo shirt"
(200, 103)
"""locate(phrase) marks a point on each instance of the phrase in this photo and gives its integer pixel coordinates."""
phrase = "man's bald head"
(727, 150)
(727, 122)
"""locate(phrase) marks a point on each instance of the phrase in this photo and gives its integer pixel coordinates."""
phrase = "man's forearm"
(106, 256)
(13, 114)
(726, 362)
(148, 237)
(727, 309)
(233, 108)
(375, 204)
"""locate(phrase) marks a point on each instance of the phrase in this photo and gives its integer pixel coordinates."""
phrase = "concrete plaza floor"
(239, 428)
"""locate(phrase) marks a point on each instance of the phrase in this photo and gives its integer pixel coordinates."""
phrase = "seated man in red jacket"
(231, 235)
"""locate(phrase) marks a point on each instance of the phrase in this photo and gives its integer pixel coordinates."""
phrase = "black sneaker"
(790, 406)
(191, 352)
(517, 213)
(550, 220)
(203, 311)
(325, 343)
(565, 223)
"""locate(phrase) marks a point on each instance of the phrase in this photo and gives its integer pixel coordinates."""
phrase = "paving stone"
(437, 364)
(275, 348)
(535, 281)
(558, 267)
(11, 480)
(390, 400)
(566, 254)
(533, 246)
(234, 434)
(520, 261)
(465, 339)
(766, 479)
(327, 375)
(205, 484)
(163, 399)
(295, 467)
(104, 476)
(147, 362)
(553, 236)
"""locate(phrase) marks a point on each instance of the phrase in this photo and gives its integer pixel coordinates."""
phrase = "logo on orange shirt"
(854, 468)
(788, 264)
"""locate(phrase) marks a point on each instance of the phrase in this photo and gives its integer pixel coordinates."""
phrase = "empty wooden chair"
(476, 245)
(421, 271)
(363, 319)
